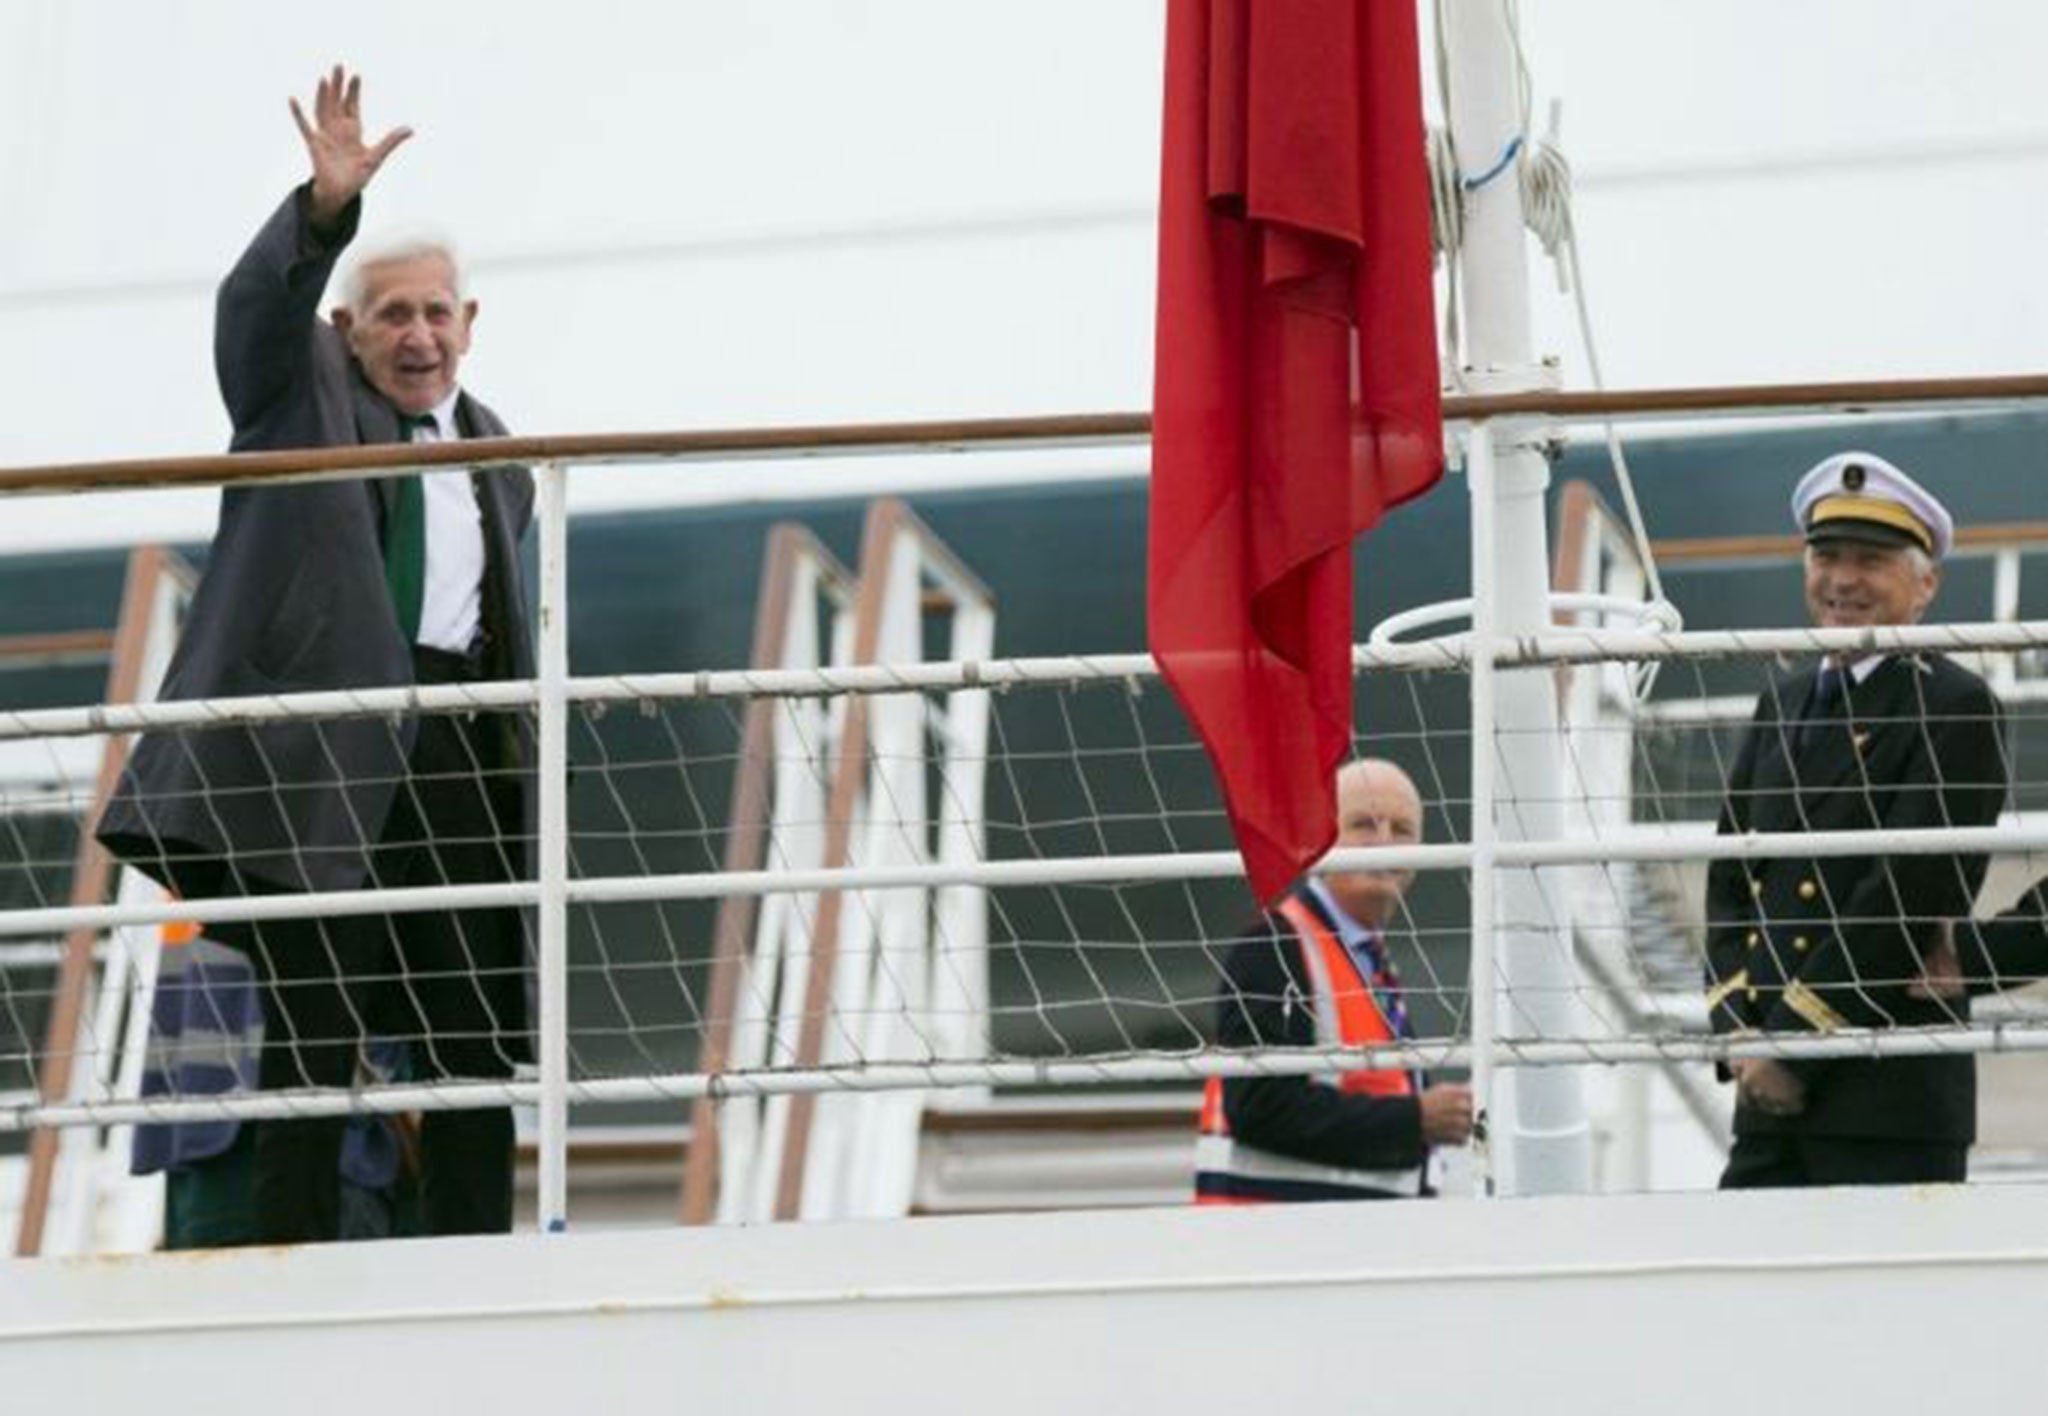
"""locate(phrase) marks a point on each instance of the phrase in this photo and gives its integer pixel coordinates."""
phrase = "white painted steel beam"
(1537, 1138)
(596, 1322)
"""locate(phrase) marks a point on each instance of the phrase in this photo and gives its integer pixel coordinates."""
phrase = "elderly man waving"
(353, 584)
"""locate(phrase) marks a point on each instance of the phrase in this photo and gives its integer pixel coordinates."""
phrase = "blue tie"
(1386, 984)
(1386, 988)
(1830, 699)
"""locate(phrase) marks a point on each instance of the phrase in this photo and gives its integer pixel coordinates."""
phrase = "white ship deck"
(1835, 1301)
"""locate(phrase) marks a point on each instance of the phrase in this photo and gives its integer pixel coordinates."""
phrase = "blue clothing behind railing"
(205, 1038)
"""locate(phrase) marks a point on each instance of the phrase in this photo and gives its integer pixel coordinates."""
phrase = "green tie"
(405, 542)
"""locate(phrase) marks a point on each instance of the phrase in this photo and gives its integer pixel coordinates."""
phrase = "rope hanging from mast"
(1545, 176)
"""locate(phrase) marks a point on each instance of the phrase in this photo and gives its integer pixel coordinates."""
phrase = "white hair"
(355, 283)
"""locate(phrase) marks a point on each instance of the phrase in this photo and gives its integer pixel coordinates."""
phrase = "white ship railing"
(552, 693)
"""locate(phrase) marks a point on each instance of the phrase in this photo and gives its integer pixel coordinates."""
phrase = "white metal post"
(1540, 1115)
(960, 1000)
(1483, 831)
(553, 734)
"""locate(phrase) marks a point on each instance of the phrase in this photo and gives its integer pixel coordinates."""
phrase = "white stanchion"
(553, 963)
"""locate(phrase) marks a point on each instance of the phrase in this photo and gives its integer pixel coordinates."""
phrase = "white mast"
(1537, 1117)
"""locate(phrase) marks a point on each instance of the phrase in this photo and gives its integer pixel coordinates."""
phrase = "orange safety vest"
(1347, 1014)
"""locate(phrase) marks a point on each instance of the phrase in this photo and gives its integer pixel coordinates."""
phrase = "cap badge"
(1852, 477)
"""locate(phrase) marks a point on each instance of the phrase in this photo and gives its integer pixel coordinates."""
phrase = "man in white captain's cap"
(1881, 743)
(1857, 510)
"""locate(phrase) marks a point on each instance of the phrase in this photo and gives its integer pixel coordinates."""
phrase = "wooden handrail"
(1177, 1114)
(887, 519)
(1774, 400)
(964, 434)
(60, 647)
(746, 842)
(92, 871)
(726, 444)
(849, 768)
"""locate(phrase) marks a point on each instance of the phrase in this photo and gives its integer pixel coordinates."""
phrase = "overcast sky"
(687, 215)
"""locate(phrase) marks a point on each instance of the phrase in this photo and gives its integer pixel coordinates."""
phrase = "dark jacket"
(1263, 1006)
(2010, 951)
(294, 599)
(1799, 945)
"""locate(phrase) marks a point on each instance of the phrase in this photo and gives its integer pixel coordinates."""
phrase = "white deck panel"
(1843, 1300)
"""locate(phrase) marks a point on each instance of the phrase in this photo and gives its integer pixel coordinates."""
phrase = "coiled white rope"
(1545, 175)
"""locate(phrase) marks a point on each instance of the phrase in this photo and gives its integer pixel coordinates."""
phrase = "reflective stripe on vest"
(1227, 1171)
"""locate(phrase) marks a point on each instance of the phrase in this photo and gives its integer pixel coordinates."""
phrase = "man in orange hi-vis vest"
(1315, 972)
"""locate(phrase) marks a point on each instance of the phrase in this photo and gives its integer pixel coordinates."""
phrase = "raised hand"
(342, 164)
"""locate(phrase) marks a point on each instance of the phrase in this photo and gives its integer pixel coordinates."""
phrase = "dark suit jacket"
(294, 599)
(1800, 945)
(1263, 1006)
(2010, 951)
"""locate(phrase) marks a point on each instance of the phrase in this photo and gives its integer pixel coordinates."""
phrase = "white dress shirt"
(452, 606)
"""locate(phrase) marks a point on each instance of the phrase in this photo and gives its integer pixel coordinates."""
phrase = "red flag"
(1296, 389)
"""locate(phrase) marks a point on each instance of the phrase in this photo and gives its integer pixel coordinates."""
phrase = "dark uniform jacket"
(294, 599)
(1800, 945)
(2010, 951)
(1265, 1005)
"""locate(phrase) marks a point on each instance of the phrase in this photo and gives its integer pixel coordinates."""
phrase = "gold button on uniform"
(1799, 942)
(1756, 888)
(1807, 889)
(1754, 939)
(1751, 990)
